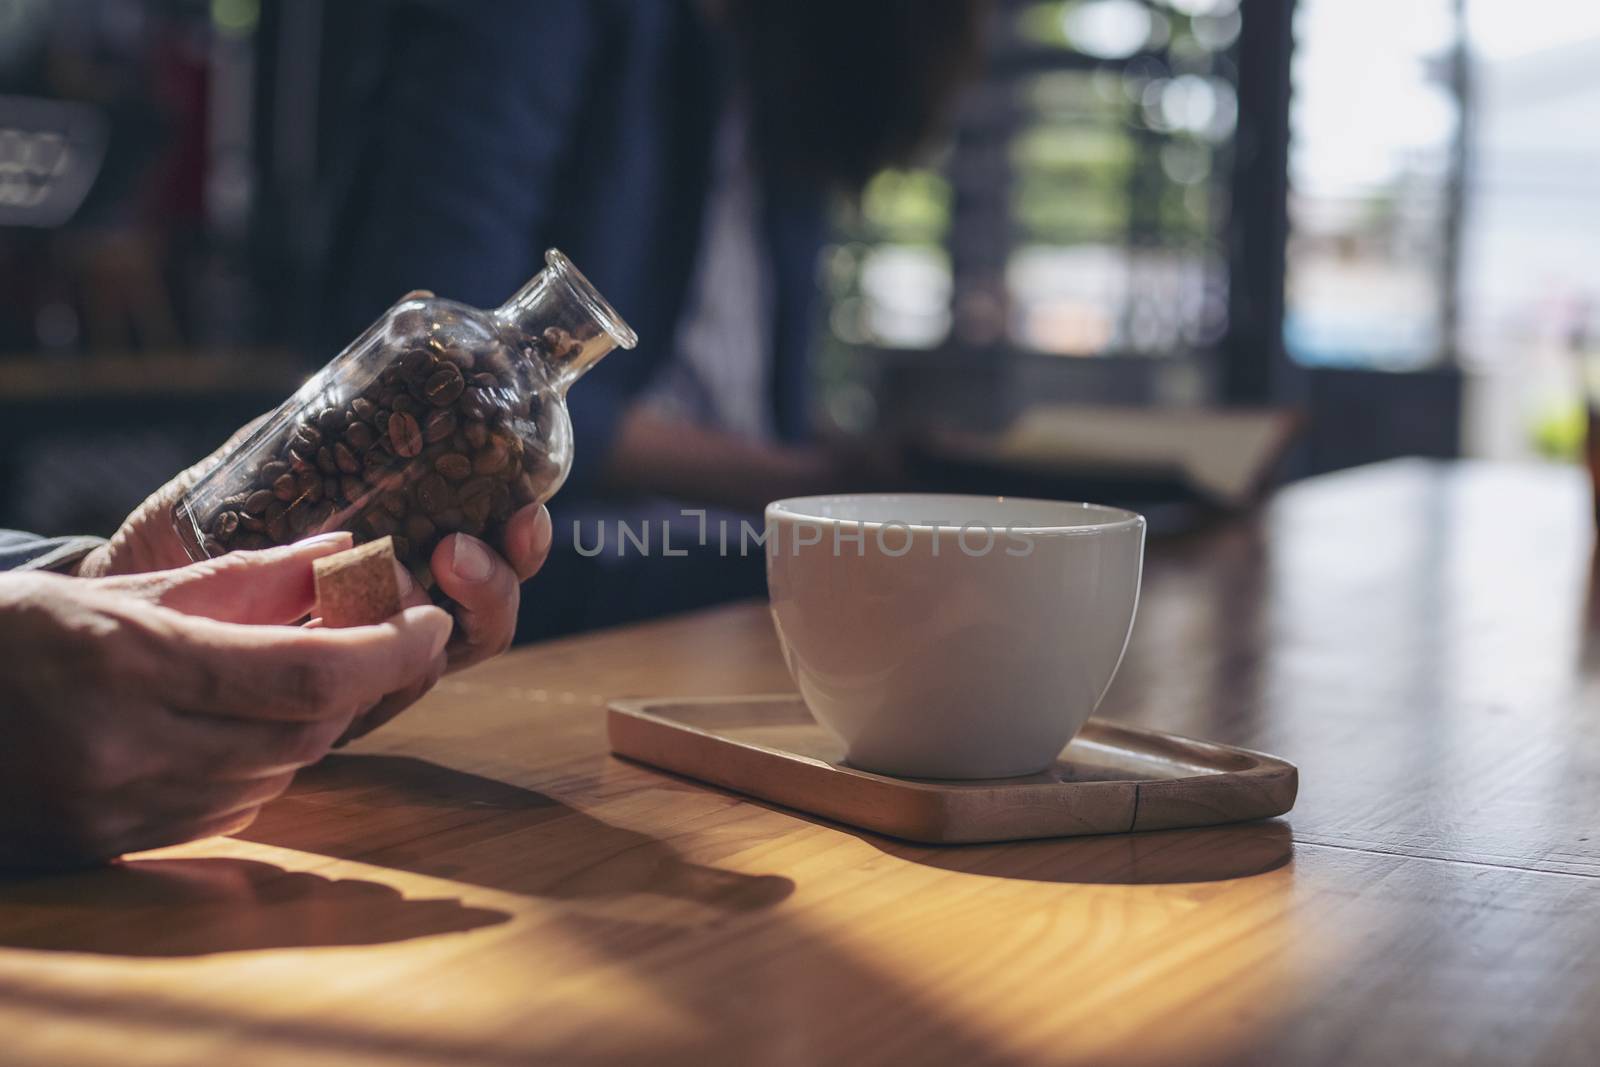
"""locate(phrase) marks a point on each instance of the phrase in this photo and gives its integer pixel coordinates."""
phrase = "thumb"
(267, 587)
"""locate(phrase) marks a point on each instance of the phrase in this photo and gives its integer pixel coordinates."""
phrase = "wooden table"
(482, 884)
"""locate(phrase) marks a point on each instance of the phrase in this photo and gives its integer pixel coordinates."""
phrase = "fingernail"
(403, 582)
(543, 531)
(470, 562)
(334, 538)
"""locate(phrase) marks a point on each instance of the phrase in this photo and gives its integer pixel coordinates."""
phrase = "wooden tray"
(1110, 779)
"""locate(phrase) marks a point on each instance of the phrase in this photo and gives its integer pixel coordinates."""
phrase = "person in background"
(684, 155)
(150, 701)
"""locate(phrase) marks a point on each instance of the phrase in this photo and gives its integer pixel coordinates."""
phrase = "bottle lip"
(603, 313)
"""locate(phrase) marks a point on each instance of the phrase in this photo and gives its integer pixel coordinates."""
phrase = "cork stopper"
(358, 587)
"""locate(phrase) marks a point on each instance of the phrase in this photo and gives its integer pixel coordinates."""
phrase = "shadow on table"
(195, 907)
(795, 979)
(1159, 857)
(409, 814)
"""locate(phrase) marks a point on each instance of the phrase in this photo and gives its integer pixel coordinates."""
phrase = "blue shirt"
(496, 129)
(25, 551)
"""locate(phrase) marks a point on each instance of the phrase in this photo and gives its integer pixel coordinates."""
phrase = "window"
(1082, 208)
(1374, 202)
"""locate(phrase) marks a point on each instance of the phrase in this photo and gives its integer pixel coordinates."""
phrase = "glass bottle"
(439, 418)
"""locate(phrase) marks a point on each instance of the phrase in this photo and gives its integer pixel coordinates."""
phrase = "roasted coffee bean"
(359, 435)
(404, 402)
(330, 488)
(476, 487)
(524, 490)
(227, 524)
(363, 409)
(380, 522)
(444, 386)
(345, 459)
(496, 359)
(459, 356)
(272, 470)
(278, 528)
(473, 405)
(352, 488)
(485, 381)
(439, 425)
(300, 460)
(257, 502)
(394, 502)
(416, 363)
(492, 458)
(303, 483)
(307, 438)
(252, 523)
(286, 487)
(476, 508)
(325, 462)
(298, 516)
(405, 434)
(434, 494)
(419, 528)
(319, 515)
(477, 433)
(500, 506)
(454, 466)
(451, 520)
(330, 421)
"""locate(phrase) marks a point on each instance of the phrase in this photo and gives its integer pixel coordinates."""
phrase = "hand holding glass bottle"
(439, 419)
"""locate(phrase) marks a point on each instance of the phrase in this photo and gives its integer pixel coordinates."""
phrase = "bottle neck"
(570, 323)
(528, 312)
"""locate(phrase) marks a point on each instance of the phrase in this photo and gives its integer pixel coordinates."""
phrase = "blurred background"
(1162, 235)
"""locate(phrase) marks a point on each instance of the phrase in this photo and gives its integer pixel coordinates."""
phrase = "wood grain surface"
(1111, 778)
(480, 883)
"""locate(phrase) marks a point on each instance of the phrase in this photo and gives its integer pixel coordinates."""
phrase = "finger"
(178, 800)
(229, 749)
(527, 540)
(411, 594)
(486, 593)
(274, 585)
(290, 672)
(392, 705)
(162, 833)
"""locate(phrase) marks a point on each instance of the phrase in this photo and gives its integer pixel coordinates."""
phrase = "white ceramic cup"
(952, 636)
